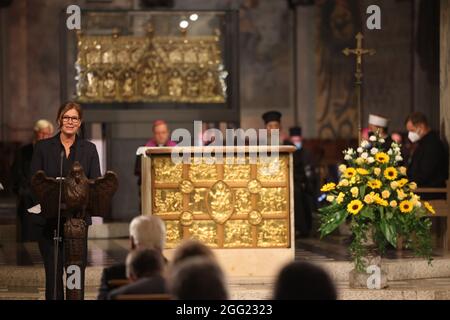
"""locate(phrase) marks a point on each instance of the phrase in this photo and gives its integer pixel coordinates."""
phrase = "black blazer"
(114, 272)
(47, 157)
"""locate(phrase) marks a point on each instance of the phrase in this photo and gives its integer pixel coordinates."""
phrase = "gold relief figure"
(202, 172)
(186, 218)
(204, 231)
(220, 200)
(273, 233)
(92, 85)
(175, 56)
(109, 85)
(254, 186)
(255, 217)
(238, 233)
(273, 169)
(93, 57)
(166, 170)
(197, 201)
(168, 201)
(123, 57)
(175, 84)
(129, 85)
(190, 56)
(203, 56)
(273, 200)
(209, 85)
(243, 203)
(108, 57)
(150, 83)
(136, 55)
(237, 172)
(173, 233)
(186, 186)
(192, 84)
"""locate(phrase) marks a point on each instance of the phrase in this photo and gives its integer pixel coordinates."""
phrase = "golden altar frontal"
(232, 208)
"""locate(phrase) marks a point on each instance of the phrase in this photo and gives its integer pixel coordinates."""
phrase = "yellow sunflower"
(390, 173)
(406, 206)
(402, 182)
(380, 201)
(328, 187)
(374, 184)
(362, 171)
(429, 207)
(355, 207)
(349, 173)
(382, 157)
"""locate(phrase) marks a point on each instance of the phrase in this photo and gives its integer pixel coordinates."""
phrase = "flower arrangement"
(374, 193)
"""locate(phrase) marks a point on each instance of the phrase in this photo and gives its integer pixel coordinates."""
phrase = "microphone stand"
(57, 237)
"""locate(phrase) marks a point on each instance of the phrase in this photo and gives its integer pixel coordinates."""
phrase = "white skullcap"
(378, 121)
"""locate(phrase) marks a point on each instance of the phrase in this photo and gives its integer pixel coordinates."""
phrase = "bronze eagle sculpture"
(79, 194)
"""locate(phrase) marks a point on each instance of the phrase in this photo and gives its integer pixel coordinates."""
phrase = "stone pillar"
(445, 69)
(306, 69)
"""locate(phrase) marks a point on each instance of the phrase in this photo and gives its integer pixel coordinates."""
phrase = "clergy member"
(272, 121)
(379, 124)
(428, 163)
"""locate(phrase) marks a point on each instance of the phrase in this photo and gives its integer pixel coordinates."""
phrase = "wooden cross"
(359, 52)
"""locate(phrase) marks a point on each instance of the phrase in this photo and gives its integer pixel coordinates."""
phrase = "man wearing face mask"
(305, 182)
(428, 164)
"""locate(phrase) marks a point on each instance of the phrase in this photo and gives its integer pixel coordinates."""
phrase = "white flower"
(365, 144)
(342, 168)
(364, 155)
(373, 138)
(360, 150)
(382, 140)
(398, 158)
(389, 152)
(374, 151)
(347, 157)
(370, 160)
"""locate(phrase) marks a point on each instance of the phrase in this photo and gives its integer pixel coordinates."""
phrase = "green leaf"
(367, 212)
(362, 190)
(331, 208)
(389, 231)
(333, 221)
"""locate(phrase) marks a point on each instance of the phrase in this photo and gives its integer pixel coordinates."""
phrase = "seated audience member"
(146, 232)
(144, 270)
(198, 278)
(191, 249)
(304, 281)
(428, 163)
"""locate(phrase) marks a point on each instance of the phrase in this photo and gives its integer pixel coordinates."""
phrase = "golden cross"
(359, 51)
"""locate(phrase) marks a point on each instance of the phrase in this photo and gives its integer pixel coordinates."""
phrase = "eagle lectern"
(243, 210)
(74, 199)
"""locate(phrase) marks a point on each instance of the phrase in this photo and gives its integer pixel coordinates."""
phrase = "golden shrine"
(150, 68)
(230, 207)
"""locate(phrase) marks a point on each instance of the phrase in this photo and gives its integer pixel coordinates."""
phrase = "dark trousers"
(47, 250)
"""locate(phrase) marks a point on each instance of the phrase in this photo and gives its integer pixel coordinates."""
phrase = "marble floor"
(21, 271)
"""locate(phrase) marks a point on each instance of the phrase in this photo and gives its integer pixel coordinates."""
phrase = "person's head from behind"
(160, 132)
(304, 281)
(198, 278)
(191, 249)
(417, 126)
(143, 263)
(43, 129)
(147, 232)
(378, 125)
(69, 118)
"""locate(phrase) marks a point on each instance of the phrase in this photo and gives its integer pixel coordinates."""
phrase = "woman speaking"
(65, 147)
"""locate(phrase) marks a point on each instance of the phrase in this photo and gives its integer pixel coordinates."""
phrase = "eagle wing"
(47, 191)
(101, 192)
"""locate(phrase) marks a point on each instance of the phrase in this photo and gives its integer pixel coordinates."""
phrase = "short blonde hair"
(148, 232)
(42, 124)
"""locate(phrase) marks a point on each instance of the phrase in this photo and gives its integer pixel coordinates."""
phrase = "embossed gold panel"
(223, 205)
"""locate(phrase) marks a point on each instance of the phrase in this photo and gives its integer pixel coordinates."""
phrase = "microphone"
(57, 238)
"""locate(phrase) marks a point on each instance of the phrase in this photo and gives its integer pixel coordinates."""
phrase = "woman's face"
(70, 122)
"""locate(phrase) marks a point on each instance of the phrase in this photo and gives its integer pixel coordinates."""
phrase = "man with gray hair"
(29, 227)
(146, 232)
